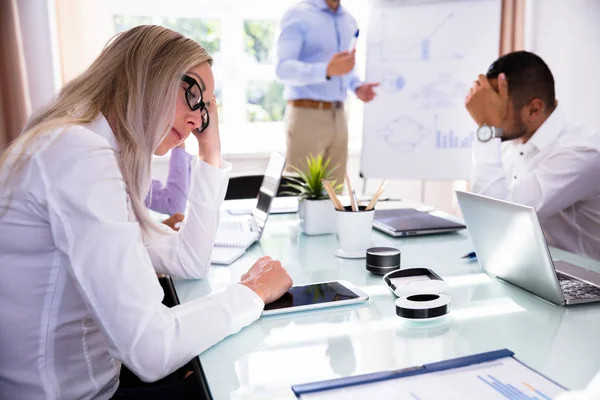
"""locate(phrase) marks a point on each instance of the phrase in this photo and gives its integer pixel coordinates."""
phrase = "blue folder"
(340, 383)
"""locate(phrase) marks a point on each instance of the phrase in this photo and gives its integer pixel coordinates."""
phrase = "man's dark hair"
(528, 78)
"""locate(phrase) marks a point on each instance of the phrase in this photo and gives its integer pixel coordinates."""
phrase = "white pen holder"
(354, 232)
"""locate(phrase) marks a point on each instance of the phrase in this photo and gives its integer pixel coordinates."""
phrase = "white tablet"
(316, 296)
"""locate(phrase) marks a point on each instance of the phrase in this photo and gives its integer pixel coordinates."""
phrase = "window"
(241, 36)
(205, 32)
(259, 40)
(264, 101)
(264, 97)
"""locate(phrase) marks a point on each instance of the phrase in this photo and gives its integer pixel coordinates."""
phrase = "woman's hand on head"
(268, 279)
(209, 141)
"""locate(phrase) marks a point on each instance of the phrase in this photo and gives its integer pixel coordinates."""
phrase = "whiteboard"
(426, 56)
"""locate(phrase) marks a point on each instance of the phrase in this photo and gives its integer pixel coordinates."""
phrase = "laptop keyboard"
(575, 289)
(241, 225)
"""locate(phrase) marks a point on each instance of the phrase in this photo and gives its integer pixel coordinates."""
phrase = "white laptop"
(235, 235)
(510, 245)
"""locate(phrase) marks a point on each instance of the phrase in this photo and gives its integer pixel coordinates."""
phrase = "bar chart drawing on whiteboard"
(450, 140)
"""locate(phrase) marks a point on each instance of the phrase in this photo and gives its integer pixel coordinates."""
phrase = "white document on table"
(500, 379)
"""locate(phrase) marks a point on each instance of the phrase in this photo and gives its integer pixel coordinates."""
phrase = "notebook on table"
(411, 222)
(235, 235)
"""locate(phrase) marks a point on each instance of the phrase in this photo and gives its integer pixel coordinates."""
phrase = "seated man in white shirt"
(526, 151)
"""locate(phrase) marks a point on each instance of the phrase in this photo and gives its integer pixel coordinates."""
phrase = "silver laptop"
(510, 245)
(235, 235)
(411, 222)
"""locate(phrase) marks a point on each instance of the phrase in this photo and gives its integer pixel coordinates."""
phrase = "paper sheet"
(499, 379)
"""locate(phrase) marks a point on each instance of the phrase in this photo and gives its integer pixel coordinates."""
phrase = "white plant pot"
(317, 217)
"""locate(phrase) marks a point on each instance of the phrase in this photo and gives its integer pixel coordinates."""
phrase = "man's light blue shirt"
(311, 33)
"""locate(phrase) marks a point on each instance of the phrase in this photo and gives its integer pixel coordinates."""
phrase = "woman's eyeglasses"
(193, 96)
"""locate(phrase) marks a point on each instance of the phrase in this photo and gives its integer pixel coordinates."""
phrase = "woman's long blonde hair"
(134, 83)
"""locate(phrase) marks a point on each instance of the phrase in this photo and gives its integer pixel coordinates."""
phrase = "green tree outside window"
(259, 38)
(205, 32)
(265, 101)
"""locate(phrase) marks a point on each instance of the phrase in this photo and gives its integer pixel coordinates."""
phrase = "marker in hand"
(352, 45)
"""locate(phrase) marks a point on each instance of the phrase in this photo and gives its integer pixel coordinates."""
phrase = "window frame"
(238, 135)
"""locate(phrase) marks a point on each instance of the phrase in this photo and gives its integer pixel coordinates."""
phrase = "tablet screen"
(312, 294)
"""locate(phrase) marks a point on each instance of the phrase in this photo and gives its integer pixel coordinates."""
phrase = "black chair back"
(171, 299)
(247, 187)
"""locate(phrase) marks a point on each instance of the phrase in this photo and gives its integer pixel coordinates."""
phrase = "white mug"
(354, 232)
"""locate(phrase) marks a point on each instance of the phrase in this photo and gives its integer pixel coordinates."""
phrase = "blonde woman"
(78, 252)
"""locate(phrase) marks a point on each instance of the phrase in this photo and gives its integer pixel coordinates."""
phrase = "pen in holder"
(354, 231)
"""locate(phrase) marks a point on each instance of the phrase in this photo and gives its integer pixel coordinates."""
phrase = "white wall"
(566, 34)
(38, 28)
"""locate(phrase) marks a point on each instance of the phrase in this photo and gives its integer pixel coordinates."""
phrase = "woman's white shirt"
(79, 291)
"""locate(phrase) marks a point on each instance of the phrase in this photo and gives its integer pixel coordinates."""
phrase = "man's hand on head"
(485, 104)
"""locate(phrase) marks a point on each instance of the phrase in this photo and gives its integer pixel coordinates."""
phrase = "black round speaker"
(381, 260)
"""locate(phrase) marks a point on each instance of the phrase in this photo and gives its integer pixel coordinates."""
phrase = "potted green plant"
(316, 211)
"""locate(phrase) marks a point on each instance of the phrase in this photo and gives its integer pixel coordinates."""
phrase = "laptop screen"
(268, 189)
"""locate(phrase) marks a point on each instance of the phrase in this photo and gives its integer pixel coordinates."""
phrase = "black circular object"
(438, 308)
(381, 260)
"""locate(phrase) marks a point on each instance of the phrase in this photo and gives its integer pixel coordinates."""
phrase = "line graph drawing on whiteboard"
(444, 92)
(412, 48)
(404, 133)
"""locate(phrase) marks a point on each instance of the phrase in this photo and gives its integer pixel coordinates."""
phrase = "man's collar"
(322, 5)
(550, 130)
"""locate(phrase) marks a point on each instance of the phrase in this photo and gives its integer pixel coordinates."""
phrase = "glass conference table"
(264, 359)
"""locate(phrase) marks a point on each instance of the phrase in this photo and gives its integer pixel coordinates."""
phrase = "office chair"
(202, 391)
(247, 187)
(197, 388)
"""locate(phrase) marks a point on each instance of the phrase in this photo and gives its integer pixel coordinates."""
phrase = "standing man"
(316, 65)
(528, 152)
